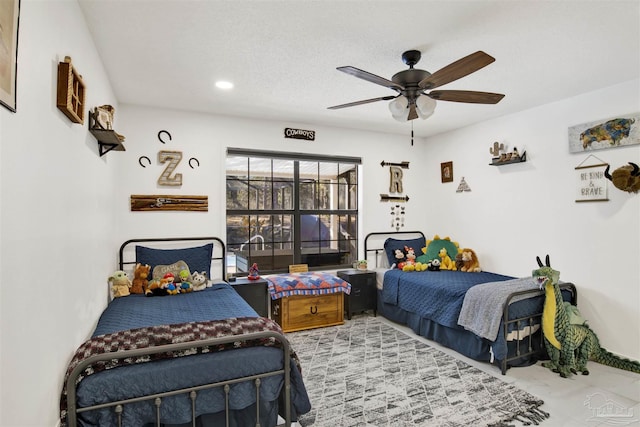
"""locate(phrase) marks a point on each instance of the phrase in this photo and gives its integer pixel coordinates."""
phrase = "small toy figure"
(254, 273)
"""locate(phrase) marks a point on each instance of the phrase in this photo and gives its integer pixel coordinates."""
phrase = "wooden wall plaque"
(169, 202)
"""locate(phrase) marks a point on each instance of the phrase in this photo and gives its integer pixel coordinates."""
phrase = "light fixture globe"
(399, 108)
(425, 106)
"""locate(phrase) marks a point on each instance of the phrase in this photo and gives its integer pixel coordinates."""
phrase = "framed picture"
(446, 171)
(613, 132)
(9, 13)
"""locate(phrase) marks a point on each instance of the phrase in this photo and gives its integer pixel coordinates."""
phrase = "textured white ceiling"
(282, 54)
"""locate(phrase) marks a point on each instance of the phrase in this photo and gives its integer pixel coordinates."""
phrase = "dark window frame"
(347, 247)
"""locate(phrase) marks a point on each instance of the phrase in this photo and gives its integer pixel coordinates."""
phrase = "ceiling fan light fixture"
(399, 108)
(425, 106)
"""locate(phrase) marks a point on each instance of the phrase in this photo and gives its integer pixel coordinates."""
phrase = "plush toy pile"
(438, 254)
(407, 260)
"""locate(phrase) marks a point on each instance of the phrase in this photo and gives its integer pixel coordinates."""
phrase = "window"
(288, 208)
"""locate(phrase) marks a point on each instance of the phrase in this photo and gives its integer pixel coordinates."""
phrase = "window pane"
(283, 185)
(260, 195)
(259, 168)
(308, 199)
(263, 213)
(237, 231)
(237, 194)
(238, 167)
(326, 240)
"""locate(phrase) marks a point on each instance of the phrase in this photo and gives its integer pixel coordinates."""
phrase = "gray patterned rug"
(367, 373)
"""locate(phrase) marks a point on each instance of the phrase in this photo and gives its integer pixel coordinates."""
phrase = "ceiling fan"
(412, 100)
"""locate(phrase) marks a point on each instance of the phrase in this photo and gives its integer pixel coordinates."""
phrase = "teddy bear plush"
(140, 278)
(120, 284)
(470, 261)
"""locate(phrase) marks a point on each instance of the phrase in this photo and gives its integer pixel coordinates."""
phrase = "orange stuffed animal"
(470, 261)
(140, 281)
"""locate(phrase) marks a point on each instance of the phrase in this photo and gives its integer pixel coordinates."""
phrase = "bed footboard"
(528, 324)
(156, 400)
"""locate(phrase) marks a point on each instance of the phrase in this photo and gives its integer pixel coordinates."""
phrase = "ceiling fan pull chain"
(412, 133)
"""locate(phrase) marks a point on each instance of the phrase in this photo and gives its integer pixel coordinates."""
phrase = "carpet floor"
(367, 373)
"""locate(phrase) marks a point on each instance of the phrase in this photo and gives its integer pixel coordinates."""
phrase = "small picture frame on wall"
(9, 13)
(446, 172)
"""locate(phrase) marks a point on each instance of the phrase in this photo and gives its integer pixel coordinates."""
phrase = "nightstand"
(363, 291)
(255, 292)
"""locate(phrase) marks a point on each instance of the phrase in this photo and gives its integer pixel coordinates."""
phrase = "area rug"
(368, 373)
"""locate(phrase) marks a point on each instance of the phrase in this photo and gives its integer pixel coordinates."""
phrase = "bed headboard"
(374, 245)
(218, 270)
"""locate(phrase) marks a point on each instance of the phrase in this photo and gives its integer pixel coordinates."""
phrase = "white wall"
(516, 212)
(57, 219)
(207, 137)
(64, 209)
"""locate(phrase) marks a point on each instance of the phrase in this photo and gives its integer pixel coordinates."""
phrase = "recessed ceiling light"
(221, 84)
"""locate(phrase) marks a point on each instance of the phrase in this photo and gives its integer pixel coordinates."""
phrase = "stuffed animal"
(199, 281)
(410, 255)
(418, 266)
(459, 262)
(185, 276)
(470, 261)
(185, 282)
(185, 287)
(140, 281)
(625, 178)
(445, 260)
(156, 287)
(400, 260)
(172, 288)
(433, 265)
(120, 284)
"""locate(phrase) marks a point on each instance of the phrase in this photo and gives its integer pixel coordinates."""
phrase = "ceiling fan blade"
(364, 101)
(365, 75)
(466, 96)
(462, 67)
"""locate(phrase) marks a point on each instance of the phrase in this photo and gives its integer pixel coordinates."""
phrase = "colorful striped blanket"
(154, 336)
(308, 283)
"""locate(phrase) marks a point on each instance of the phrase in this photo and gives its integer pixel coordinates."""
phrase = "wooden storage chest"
(298, 312)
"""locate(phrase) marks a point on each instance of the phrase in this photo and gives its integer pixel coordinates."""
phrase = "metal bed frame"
(530, 321)
(156, 399)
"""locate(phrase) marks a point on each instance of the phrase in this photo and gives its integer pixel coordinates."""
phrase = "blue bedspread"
(436, 295)
(220, 301)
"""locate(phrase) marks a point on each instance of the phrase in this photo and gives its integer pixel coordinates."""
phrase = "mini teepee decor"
(463, 186)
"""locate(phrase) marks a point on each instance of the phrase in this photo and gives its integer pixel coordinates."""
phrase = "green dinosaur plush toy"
(570, 343)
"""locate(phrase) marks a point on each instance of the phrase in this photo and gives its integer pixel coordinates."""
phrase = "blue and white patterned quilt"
(307, 283)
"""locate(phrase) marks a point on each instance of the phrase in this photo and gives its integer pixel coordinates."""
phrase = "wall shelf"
(496, 160)
(108, 139)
